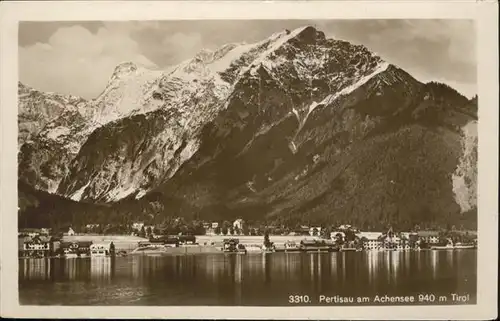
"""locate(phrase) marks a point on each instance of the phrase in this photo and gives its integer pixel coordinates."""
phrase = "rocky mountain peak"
(309, 35)
(204, 55)
(123, 69)
(22, 88)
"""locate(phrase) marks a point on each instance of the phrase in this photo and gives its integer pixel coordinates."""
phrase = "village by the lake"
(235, 237)
(241, 264)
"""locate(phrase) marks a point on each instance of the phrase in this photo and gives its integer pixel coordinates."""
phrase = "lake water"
(431, 277)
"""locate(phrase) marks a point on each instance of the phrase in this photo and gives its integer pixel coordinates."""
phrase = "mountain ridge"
(216, 91)
(288, 111)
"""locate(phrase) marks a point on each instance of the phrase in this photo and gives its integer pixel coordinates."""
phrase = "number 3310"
(298, 299)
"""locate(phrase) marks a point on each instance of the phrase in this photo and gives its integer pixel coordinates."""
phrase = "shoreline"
(212, 244)
(200, 249)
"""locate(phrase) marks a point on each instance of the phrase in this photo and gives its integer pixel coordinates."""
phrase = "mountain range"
(294, 128)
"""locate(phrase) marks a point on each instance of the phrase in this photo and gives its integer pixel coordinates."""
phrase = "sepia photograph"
(247, 162)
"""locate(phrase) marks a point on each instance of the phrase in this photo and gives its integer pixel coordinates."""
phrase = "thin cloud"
(181, 46)
(76, 61)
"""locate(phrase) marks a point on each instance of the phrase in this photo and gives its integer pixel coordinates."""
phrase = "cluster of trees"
(254, 231)
(167, 227)
(446, 91)
(180, 226)
(226, 228)
(349, 238)
(267, 242)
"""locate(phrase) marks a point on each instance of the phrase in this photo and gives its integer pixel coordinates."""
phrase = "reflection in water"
(311, 266)
(252, 279)
(101, 267)
(407, 263)
(36, 269)
(434, 263)
(387, 266)
(320, 260)
(238, 269)
(334, 265)
(395, 259)
(373, 257)
(238, 278)
(449, 258)
(342, 268)
(267, 267)
(76, 268)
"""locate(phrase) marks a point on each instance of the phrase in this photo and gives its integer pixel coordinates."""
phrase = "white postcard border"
(484, 12)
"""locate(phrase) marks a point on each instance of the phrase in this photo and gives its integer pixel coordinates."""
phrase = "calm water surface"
(252, 279)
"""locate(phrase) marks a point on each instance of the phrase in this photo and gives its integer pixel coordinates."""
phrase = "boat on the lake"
(70, 255)
(150, 250)
(157, 245)
(240, 248)
(448, 246)
(150, 247)
(289, 246)
(121, 253)
(318, 246)
(461, 246)
(270, 249)
(350, 249)
(251, 248)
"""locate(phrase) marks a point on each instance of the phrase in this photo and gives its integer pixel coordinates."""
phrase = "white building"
(405, 235)
(70, 232)
(45, 231)
(403, 245)
(406, 240)
(239, 223)
(345, 227)
(393, 242)
(37, 243)
(137, 225)
(373, 240)
(100, 249)
(315, 231)
(431, 237)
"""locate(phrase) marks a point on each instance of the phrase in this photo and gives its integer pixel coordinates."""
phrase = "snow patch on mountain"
(275, 42)
(296, 113)
(140, 193)
(188, 151)
(57, 132)
(224, 62)
(120, 192)
(312, 107)
(76, 196)
(349, 89)
(382, 66)
(128, 93)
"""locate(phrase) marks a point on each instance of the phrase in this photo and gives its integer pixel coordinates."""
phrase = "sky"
(79, 57)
